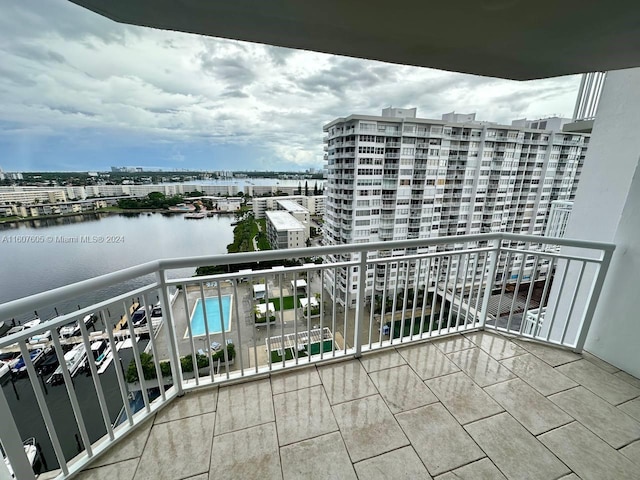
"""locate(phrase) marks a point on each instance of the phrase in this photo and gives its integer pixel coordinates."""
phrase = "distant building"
(285, 231)
(314, 204)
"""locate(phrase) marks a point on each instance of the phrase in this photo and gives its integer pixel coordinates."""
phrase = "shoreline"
(108, 210)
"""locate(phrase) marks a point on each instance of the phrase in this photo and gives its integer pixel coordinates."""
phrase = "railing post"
(359, 315)
(594, 296)
(493, 265)
(174, 353)
(12, 445)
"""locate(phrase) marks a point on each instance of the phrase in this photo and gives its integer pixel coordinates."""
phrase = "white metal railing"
(216, 330)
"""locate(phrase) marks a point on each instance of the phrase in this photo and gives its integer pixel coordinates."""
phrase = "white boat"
(100, 350)
(20, 366)
(32, 454)
(32, 323)
(74, 359)
(73, 330)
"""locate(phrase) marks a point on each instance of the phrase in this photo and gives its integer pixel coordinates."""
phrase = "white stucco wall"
(607, 208)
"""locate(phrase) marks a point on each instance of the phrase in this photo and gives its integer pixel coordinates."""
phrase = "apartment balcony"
(460, 374)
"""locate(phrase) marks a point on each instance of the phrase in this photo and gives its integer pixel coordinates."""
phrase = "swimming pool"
(213, 316)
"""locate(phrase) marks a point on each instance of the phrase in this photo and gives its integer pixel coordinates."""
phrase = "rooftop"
(291, 206)
(282, 220)
(466, 406)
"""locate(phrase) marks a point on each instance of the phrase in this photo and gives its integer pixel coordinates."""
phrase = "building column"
(607, 209)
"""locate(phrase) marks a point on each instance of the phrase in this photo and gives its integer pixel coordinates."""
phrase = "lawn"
(416, 326)
(288, 302)
(315, 350)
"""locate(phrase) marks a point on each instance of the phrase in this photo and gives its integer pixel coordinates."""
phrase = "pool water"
(213, 315)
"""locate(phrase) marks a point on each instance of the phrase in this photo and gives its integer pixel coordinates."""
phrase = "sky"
(81, 92)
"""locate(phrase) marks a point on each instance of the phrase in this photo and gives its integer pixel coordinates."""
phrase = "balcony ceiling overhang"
(512, 39)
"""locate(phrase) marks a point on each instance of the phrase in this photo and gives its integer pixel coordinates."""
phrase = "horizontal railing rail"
(142, 348)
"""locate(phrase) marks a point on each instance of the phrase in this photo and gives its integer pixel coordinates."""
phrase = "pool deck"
(248, 338)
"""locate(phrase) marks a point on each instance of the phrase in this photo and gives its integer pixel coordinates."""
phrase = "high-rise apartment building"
(396, 176)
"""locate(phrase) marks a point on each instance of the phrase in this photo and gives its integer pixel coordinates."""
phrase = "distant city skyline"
(79, 92)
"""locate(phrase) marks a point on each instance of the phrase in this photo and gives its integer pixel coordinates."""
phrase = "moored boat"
(20, 365)
(74, 359)
(30, 449)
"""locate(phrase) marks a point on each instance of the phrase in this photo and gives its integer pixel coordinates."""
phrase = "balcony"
(475, 371)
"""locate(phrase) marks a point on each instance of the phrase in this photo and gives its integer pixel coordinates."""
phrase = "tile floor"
(476, 406)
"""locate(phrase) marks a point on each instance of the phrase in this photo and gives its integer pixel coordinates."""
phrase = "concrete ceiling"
(500, 38)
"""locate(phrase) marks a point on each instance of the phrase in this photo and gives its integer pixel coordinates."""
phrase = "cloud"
(70, 77)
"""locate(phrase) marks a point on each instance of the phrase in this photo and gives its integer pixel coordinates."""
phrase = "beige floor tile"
(203, 476)
(131, 447)
(320, 458)
(538, 374)
(482, 368)
(244, 405)
(453, 344)
(381, 360)
(609, 423)
(631, 408)
(177, 449)
(303, 414)
(439, 440)
(346, 381)
(192, 403)
(516, 452)
(630, 379)
(532, 410)
(295, 380)
(52, 474)
(428, 361)
(571, 476)
(115, 471)
(368, 428)
(249, 453)
(605, 385)
(632, 452)
(554, 356)
(481, 470)
(495, 345)
(402, 464)
(402, 389)
(587, 455)
(463, 398)
(598, 362)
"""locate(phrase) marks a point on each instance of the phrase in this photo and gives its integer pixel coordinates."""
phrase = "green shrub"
(186, 363)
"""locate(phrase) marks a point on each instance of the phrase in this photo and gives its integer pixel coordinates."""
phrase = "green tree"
(306, 188)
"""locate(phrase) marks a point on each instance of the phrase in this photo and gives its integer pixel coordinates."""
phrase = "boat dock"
(120, 333)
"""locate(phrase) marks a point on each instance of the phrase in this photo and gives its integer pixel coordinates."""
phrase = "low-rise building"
(285, 231)
(314, 204)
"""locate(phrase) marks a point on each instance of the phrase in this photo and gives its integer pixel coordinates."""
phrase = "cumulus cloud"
(69, 75)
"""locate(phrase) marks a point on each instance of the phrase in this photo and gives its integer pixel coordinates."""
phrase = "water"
(212, 309)
(41, 254)
(38, 264)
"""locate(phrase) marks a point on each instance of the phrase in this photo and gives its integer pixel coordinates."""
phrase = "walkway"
(472, 406)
